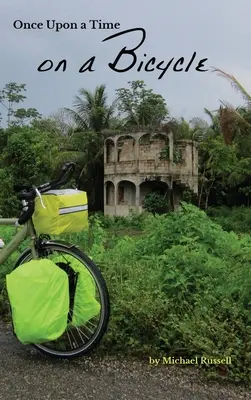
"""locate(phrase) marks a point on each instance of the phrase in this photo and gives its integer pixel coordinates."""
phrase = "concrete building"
(133, 169)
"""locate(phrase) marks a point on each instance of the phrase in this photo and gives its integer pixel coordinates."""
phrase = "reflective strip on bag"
(63, 192)
(69, 210)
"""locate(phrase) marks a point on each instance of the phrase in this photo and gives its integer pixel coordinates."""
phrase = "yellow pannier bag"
(66, 211)
(38, 292)
(85, 305)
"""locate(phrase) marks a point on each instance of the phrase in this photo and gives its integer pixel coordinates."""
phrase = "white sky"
(219, 30)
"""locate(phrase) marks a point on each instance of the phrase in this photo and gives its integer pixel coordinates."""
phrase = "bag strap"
(73, 280)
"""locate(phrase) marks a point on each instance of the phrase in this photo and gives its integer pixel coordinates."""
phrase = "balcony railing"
(141, 166)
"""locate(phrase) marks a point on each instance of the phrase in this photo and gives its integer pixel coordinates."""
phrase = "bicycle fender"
(47, 243)
(62, 243)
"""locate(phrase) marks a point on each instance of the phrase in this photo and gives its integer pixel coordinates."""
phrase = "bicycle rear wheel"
(77, 340)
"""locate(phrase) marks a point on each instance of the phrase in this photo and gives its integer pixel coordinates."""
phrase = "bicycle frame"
(27, 230)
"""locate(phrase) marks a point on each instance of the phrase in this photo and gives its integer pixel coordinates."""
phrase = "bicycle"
(43, 246)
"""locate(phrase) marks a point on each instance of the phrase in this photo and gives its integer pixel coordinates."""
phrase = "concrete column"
(137, 199)
(115, 197)
(105, 194)
(105, 152)
(176, 198)
(116, 152)
(115, 159)
(136, 154)
(195, 158)
(170, 137)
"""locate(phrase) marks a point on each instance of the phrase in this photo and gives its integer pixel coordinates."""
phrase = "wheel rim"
(72, 341)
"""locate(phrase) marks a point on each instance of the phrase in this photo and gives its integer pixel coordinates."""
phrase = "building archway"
(150, 146)
(110, 151)
(126, 148)
(110, 193)
(153, 186)
(126, 193)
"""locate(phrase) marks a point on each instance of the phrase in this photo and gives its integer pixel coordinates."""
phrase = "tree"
(214, 125)
(63, 121)
(24, 116)
(141, 107)
(11, 95)
(92, 115)
(234, 121)
(92, 112)
(184, 130)
(30, 157)
(70, 147)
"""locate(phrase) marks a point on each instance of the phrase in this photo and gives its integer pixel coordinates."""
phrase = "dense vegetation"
(33, 147)
(179, 285)
(179, 282)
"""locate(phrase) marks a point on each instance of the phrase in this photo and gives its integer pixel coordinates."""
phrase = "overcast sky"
(219, 30)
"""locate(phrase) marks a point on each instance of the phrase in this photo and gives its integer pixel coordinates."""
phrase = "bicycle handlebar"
(28, 193)
(62, 179)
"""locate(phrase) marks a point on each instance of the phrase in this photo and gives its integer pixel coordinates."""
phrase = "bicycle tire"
(93, 269)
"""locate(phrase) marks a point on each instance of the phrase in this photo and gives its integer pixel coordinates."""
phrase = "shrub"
(156, 203)
(237, 219)
(182, 289)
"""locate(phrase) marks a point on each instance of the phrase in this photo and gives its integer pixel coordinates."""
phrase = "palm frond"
(226, 124)
(109, 113)
(232, 123)
(79, 121)
(82, 106)
(91, 111)
(209, 113)
(234, 116)
(100, 96)
(87, 95)
(235, 84)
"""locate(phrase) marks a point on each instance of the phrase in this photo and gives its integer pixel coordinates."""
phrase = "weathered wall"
(126, 149)
(151, 150)
(120, 210)
(138, 161)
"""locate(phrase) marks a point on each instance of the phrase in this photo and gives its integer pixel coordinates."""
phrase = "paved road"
(25, 374)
